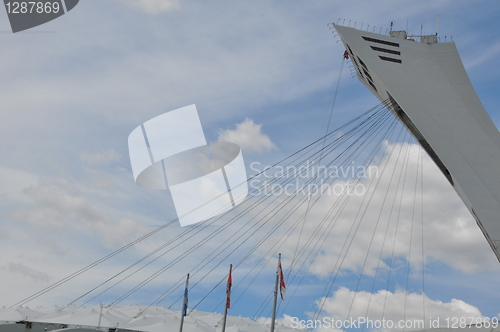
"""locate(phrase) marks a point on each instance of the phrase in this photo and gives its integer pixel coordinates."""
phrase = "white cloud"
(286, 320)
(155, 6)
(391, 232)
(28, 272)
(13, 181)
(394, 306)
(249, 136)
(57, 205)
(104, 157)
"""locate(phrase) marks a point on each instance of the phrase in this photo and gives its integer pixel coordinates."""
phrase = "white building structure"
(427, 88)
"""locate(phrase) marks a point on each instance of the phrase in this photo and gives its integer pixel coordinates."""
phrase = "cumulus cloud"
(381, 229)
(249, 136)
(104, 157)
(395, 307)
(155, 6)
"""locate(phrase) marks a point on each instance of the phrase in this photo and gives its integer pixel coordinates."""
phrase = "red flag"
(228, 287)
(282, 281)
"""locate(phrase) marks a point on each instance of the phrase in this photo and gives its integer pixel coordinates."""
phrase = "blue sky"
(74, 88)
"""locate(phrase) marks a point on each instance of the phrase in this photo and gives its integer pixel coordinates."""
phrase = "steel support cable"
(320, 308)
(336, 90)
(311, 238)
(327, 232)
(166, 294)
(278, 243)
(255, 247)
(291, 229)
(374, 152)
(404, 170)
(330, 229)
(162, 270)
(397, 162)
(263, 266)
(269, 259)
(313, 179)
(321, 156)
(147, 256)
(402, 164)
(289, 268)
(301, 229)
(218, 285)
(158, 249)
(411, 235)
(374, 110)
(292, 225)
(146, 282)
(263, 305)
(350, 184)
(178, 237)
(421, 162)
(325, 236)
(233, 242)
(140, 268)
(322, 238)
(329, 213)
(352, 181)
(235, 266)
(376, 223)
(287, 234)
(341, 202)
(154, 276)
(351, 131)
(268, 234)
(88, 267)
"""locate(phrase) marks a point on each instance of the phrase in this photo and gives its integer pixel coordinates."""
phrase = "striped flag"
(282, 280)
(228, 287)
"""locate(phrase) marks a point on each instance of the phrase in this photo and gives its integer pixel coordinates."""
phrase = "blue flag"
(185, 306)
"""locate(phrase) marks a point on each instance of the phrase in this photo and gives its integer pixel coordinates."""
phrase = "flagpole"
(275, 294)
(185, 303)
(228, 296)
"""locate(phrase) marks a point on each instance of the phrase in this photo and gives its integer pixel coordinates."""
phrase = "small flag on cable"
(282, 280)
